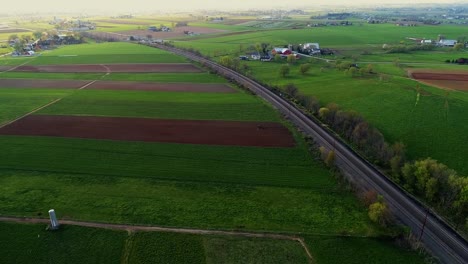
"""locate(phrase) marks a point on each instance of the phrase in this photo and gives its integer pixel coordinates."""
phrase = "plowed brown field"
(260, 134)
(453, 80)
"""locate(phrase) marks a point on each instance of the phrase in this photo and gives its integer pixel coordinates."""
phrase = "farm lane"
(133, 228)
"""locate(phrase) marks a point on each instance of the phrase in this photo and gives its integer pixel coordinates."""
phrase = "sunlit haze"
(183, 5)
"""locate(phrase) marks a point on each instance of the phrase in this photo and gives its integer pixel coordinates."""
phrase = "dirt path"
(134, 228)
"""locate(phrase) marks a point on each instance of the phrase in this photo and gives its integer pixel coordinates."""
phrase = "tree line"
(434, 182)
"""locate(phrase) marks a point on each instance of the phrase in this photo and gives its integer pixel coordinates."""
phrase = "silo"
(53, 220)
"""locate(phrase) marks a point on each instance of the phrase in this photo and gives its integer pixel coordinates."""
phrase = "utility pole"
(424, 225)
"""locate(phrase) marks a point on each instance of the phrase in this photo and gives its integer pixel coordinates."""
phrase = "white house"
(447, 42)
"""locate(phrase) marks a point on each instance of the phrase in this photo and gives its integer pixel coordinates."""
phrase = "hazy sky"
(129, 6)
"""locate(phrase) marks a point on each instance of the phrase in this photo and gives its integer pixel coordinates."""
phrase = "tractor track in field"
(135, 228)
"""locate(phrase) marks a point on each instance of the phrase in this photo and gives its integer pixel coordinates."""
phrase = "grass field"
(352, 250)
(177, 185)
(17, 102)
(98, 54)
(24, 243)
(391, 106)
(141, 77)
(31, 243)
(166, 105)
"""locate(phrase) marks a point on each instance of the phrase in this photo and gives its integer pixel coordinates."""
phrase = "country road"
(437, 236)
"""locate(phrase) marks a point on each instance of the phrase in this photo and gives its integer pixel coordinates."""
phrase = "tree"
(379, 212)
(284, 70)
(26, 38)
(278, 57)
(291, 59)
(226, 61)
(291, 90)
(324, 113)
(458, 46)
(37, 35)
(352, 71)
(12, 37)
(19, 46)
(304, 68)
(330, 160)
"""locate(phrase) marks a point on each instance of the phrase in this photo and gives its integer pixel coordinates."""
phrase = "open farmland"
(182, 184)
(392, 105)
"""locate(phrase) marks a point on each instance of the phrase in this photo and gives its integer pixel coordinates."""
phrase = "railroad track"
(436, 234)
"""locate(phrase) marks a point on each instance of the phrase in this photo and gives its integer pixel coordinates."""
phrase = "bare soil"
(169, 87)
(452, 80)
(33, 83)
(232, 133)
(104, 68)
(176, 32)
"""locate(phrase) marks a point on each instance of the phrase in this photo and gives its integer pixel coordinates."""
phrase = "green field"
(27, 243)
(166, 105)
(31, 243)
(176, 185)
(356, 36)
(352, 250)
(140, 77)
(17, 102)
(99, 54)
(390, 105)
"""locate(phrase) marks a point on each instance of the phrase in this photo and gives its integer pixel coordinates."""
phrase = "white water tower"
(53, 220)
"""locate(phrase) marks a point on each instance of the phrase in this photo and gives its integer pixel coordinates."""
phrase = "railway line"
(437, 235)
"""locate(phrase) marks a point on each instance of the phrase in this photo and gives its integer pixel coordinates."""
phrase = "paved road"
(438, 237)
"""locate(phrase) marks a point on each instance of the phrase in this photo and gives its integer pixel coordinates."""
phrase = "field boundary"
(134, 228)
(30, 113)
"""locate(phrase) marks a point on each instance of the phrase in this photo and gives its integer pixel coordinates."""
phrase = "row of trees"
(437, 184)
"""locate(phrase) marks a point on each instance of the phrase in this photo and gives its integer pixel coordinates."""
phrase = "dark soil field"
(457, 80)
(160, 67)
(33, 83)
(235, 133)
(168, 87)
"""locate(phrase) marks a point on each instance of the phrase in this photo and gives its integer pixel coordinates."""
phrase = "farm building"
(281, 51)
(447, 42)
(427, 41)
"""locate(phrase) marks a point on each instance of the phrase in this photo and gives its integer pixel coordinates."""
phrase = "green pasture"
(31, 243)
(340, 37)
(317, 207)
(165, 248)
(17, 102)
(356, 250)
(98, 53)
(114, 52)
(166, 105)
(203, 77)
(390, 106)
(5, 50)
(182, 162)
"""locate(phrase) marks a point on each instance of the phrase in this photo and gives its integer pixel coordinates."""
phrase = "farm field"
(109, 246)
(353, 37)
(391, 105)
(282, 189)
